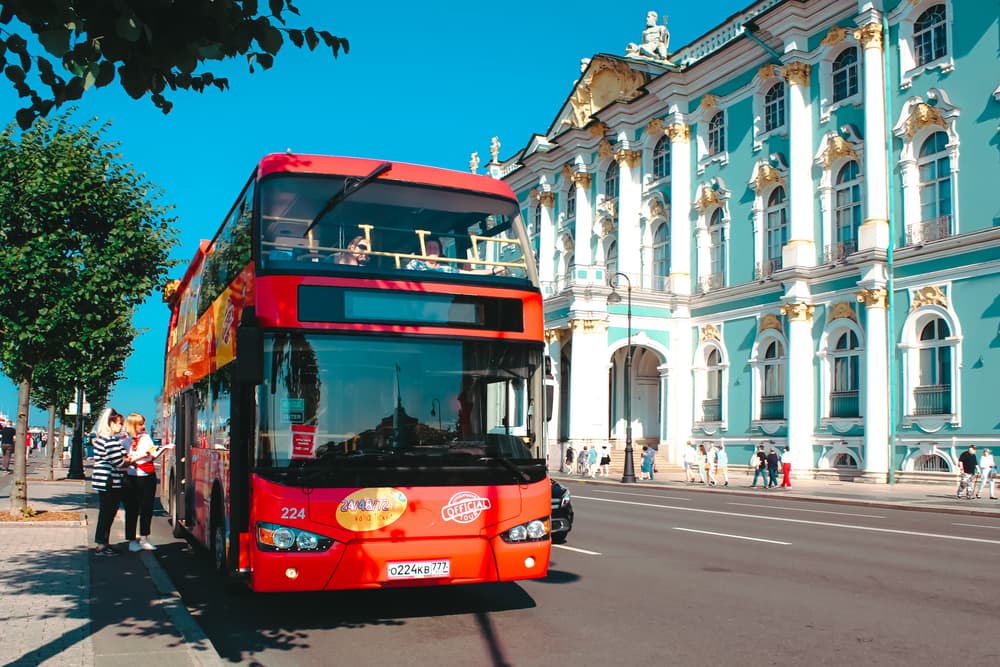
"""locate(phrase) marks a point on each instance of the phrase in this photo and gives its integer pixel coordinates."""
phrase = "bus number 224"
(293, 512)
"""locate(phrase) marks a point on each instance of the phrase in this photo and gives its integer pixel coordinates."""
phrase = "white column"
(584, 225)
(801, 249)
(680, 390)
(547, 238)
(876, 383)
(680, 208)
(874, 233)
(588, 409)
(800, 394)
(556, 455)
(629, 207)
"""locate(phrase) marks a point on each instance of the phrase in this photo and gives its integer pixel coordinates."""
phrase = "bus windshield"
(419, 411)
(388, 227)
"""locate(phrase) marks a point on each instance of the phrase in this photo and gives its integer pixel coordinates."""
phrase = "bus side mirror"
(249, 349)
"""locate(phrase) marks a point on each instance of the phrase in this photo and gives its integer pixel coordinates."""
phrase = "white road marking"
(828, 524)
(799, 509)
(735, 537)
(579, 551)
(976, 525)
(643, 495)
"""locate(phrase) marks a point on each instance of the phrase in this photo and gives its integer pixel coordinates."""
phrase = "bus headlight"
(274, 537)
(531, 531)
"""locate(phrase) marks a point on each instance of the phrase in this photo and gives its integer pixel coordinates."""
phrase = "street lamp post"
(628, 476)
(433, 401)
(76, 449)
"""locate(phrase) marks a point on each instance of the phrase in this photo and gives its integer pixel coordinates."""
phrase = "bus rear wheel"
(218, 542)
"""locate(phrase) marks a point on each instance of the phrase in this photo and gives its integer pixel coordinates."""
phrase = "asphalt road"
(649, 576)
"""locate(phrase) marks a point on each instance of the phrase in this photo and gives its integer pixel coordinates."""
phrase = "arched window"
(846, 372)
(661, 256)
(776, 220)
(772, 398)
(536, 221)
(611, 259)
(717, 249)
(845, 74)
(571, 201)
(847, 209)
(774, 107)
(711, 405)
(717, 134)
(932, 393)
(568, 265)
(611, 181)
(930, 41)
(661, 159)
(934, 165)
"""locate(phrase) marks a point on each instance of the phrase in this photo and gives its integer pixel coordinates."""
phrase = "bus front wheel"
(176, 528)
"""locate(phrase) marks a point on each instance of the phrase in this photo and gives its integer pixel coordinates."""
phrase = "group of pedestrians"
(970, 467)
(706, 465)
(588, 463)
(765, 466)
(124, 472)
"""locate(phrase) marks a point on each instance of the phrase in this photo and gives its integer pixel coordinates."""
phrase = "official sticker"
(464, 507)
(371, 509)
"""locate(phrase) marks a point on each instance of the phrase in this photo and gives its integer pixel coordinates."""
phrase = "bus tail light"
(532, 531)
(275, 537)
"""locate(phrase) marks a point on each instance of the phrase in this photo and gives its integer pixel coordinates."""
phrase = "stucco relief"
(835, 35)
(798, 312)
(605, 81)
(840, 311)
(769, 321)
(710, 332)
(797, 74)
(873, 298)
(869, 36)
(929, 296)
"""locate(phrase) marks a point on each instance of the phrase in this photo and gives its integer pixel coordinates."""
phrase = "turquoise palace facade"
(801, 213)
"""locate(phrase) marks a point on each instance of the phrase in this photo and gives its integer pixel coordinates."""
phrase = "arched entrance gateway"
(647, 393)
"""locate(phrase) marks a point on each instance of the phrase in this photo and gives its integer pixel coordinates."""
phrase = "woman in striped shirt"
(109, 456)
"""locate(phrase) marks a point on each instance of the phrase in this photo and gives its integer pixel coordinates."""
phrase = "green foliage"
(84, 243)
(151, 45)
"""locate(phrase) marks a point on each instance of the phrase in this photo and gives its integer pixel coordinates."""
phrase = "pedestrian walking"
(651, 456)
(7, 433)
(722, 464)
(702, 461)
(967, 464)
(605, 460)
(581, 461)
(140, 483)
(690, 460)
(570, 459)
(772, 468)
(757, 464)
(987, 473)
(592, 462)
(109, 458)
(711, 463)
(786, 468)
(645, 469)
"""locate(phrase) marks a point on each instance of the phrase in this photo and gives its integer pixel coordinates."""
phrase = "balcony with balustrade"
(711, 410)
(932, 400)
(772, 408)
(711, 282)
(844, 404)
(834, 253)
(764, 270)
(928, 231)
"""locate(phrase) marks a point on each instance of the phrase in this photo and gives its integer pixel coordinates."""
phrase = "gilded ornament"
(766, 176)
(798, 312)
(547, 199)
(604, 81)
(869, 36)
(582, 179)
(598, 129)
(922, 115)
(656, 208)
(654, 127)
(710, 332)
(567, 242)
(630, 159)
(836, 35)
(604, 149)
(929, 296)
(769, 321)
(709, 101)
(567, 171)
(767, 71)
(708, 198)
(873, 298)
(842, 310)
(837, 147)
(679, 133)
(797, 74)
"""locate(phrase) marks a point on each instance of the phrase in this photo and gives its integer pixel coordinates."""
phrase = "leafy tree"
(85, 242)
(151, 45)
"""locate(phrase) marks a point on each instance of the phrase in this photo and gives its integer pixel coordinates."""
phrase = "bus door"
(186, 429)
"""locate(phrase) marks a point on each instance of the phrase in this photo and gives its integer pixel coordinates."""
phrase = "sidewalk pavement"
(61, 606)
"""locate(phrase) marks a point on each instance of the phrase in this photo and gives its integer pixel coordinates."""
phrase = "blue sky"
(424, 82)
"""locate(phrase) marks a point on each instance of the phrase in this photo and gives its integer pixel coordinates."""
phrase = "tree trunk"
(19, 487)
(60, 445)
(50, 450)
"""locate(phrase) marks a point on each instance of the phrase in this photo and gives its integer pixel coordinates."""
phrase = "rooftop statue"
(474, 163)
(495, 149)
(655, 40)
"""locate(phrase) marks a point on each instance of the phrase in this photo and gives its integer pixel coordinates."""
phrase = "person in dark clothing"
(772, 468)
(967, 463)
(109, 457)
(759, 465)
(7, 444)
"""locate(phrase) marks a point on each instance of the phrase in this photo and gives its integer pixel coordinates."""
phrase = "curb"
(45, 524)
(199, 648)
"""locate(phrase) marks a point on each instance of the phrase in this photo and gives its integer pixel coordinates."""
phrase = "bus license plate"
(419, 569)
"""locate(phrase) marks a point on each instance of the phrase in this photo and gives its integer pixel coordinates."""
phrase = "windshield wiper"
(505, 462)
(351, 185)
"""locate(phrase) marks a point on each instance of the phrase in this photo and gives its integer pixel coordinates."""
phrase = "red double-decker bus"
(354, 382)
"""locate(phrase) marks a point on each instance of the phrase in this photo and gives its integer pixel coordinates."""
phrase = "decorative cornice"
(929, 296)
(836, 35)
(630, 159)
(873, 298)
(654, 128)
(678, 133)
(798, 312)
(842, 310)
(797, 74)
(921, 115)
(869, 36)
(710, 332)
(547, 199)
(588, 326)
(709, 101)
(769, 321)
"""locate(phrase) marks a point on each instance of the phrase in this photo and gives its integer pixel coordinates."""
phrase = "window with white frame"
(845, 375)
(847, 210)
(774, 107)
(845, 74)
(930, 38)
(571, 201)
(932, 393)
(568, 266)
(611, 177)
(931, 345)
(661, 159)
(776, 222)
(536, 220)
(611, 259)
(717, 235)
(661, 256)
(934, 168)
(717, 133)
(711, 405)
(772, 380)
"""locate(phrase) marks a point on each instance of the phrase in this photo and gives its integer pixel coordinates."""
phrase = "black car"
(562, 512)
